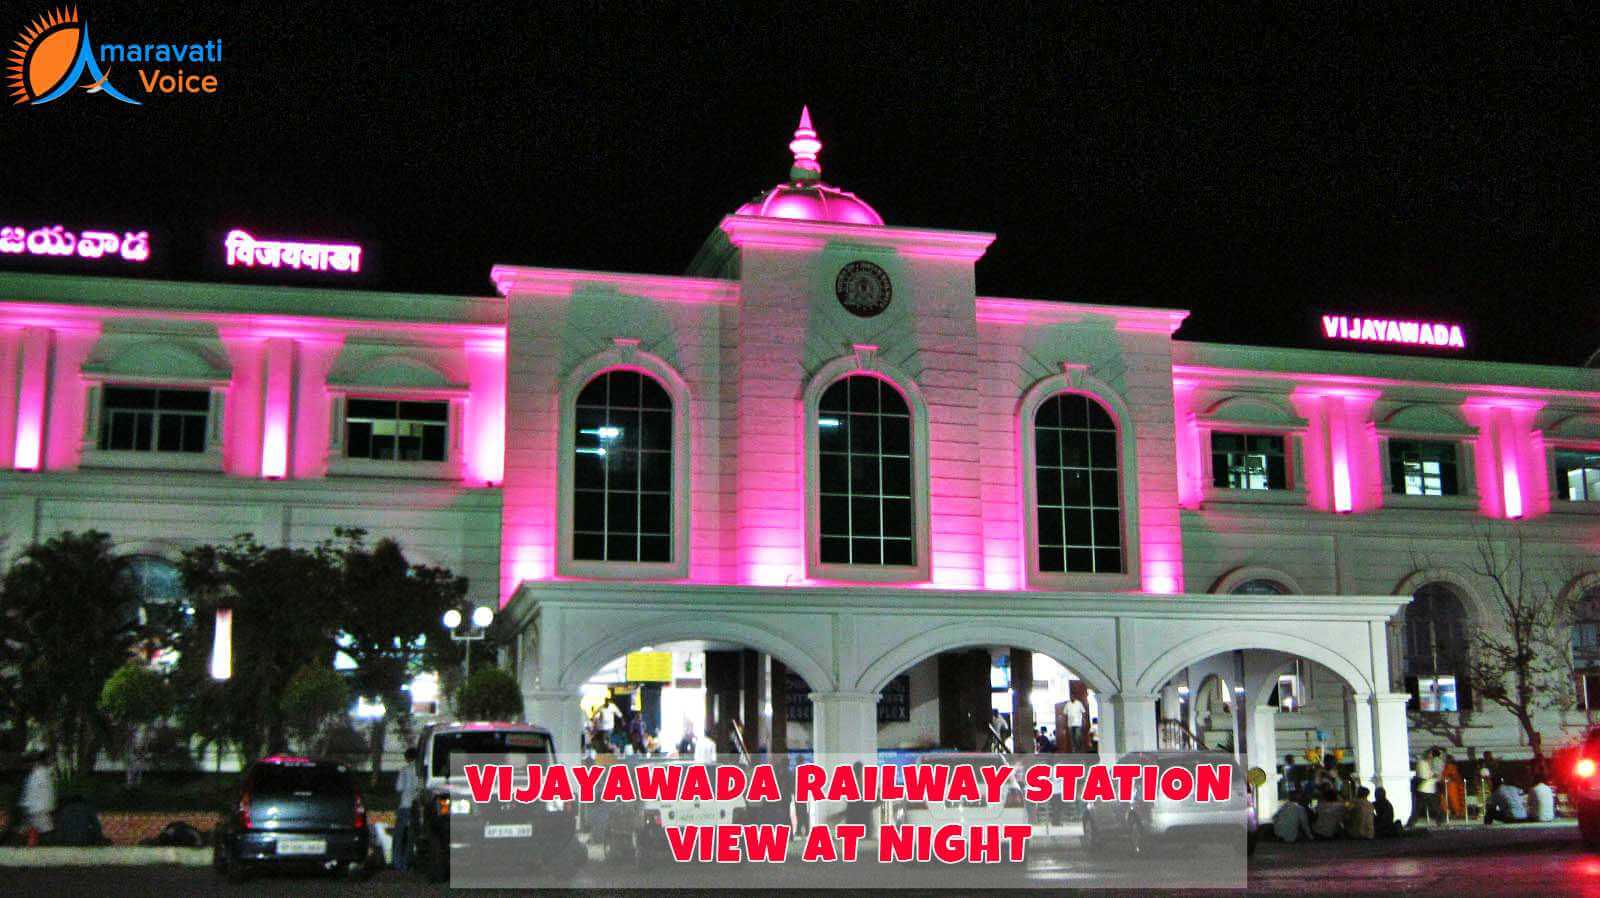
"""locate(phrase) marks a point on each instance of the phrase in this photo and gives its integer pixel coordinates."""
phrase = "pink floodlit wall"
(1186, 440)
(1341, 448)
(33, 388)
(277, 406)
(1509, 455)
(485, 442)
(311, 424)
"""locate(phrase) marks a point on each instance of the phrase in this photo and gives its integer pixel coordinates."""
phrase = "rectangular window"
(1419, 468)
(1248, 461)
(1435, 694)
(152, 419)
(1289, 698)
(396, 430)
(1578, 475)
(1588, 685)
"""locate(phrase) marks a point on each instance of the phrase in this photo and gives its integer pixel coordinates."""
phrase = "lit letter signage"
(1433, 334)
(129, 246)
(246, 251)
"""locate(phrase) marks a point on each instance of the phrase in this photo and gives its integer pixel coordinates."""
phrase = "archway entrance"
(691, 698)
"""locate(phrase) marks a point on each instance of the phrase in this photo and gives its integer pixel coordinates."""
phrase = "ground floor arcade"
(1208, 671)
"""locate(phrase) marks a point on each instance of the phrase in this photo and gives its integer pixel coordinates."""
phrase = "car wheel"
(1589, 828)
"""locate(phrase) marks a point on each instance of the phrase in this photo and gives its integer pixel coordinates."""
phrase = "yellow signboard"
(649, 667)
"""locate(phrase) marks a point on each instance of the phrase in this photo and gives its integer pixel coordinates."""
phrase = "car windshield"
(288, 779)
(452, 750)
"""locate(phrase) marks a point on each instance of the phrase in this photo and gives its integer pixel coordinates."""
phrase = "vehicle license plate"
(508, 831)
(302, 846)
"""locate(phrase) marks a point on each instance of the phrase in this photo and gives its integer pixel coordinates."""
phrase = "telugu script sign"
(1433, 334)
(129, 246)
(249, 252)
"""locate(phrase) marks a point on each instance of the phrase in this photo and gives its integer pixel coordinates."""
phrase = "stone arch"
(395, 370)
(1426, 418)
(1471, 600)
(1197, 649)
(686, 627)
(948, 637)
(163, 359)
(1252, 410)
(1237, 577)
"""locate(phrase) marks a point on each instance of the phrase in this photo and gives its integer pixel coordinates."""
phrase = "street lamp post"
(482, 617)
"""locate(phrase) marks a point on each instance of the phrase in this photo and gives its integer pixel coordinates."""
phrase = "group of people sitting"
(1331, 817)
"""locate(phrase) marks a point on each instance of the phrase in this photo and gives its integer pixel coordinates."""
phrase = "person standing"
(1454, 791)
(605, 723)
(1075, 714)
(39, 799)
(405, 783)
(1427, 804)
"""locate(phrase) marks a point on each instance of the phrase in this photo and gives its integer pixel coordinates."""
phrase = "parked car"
(1144, 826)
(1012, 809)
(650, 837)
(294, 813)
(449, 822)
(1582, 781)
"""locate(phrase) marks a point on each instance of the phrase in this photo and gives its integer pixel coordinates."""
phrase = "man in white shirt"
(1427, 776)
(1544, 802)
(1507, 805)
(1075, 712)
(39, 796)
(605, 721)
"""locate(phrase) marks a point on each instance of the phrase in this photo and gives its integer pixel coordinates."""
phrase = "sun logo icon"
(52, 56)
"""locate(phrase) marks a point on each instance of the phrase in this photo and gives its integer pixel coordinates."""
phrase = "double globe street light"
(482, 617)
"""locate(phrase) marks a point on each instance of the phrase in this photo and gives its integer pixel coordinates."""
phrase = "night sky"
(1257, 167)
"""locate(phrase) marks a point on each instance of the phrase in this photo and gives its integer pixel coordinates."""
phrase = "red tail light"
(652, 817)
(1585, 768)
(361, 812)
(243, 814)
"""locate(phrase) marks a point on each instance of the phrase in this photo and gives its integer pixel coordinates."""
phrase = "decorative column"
(844, 726)
(557, 710)
(277, 406)
(1135, 723)
(1358, 710)
(1390, 748)
(1261, 750)
(34, 351)
(1022, 725)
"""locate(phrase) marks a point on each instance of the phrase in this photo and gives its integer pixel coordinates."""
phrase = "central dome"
(804, 196)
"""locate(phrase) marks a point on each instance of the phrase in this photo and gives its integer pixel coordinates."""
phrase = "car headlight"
(460, 806)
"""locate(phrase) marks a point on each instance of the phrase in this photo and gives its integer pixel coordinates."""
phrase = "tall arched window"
(1436, 650)
(1078, 490)
(1586, 648)
(622, 470)
(864, 474)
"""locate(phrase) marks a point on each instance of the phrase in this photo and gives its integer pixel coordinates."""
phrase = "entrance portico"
(849, 642)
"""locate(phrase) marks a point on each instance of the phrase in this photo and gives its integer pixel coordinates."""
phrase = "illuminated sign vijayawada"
(56, 240)
(1434, 334)
(249, 252)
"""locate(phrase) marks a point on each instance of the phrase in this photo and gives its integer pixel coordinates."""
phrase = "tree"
(1515, 657)
(286, 605)
(315, 697)
(135, 699)
(68, 621)
(390, 621)
(490, 693)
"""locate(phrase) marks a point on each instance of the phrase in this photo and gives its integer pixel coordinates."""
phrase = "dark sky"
(1256, 167)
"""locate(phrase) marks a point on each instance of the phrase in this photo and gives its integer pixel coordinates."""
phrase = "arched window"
(1078, 490)
(622, 470)
(864, 474)
(1260, 586)
(1586, 648)
(1436, 650)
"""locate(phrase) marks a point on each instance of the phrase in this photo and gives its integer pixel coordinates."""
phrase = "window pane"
(623, 469)
(864, 472)
(169, 434)
(1249, 461)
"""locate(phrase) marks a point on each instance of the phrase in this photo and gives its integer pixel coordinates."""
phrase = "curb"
(104, 856)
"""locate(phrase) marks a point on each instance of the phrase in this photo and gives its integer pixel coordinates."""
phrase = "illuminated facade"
(824, 445)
